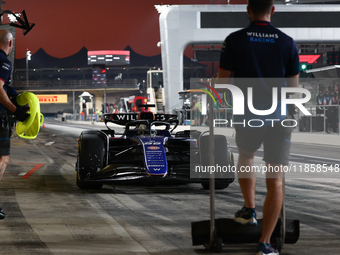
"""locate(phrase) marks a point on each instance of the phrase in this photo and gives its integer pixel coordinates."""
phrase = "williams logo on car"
(153, 148)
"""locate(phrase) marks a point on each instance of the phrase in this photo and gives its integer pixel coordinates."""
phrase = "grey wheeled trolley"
(214, 233)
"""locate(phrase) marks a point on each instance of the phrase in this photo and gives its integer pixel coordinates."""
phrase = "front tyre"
(85, 185)
(91, 158)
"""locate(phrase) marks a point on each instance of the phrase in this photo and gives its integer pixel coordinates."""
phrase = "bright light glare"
(161, 7)
(13, 18)
(28, 54)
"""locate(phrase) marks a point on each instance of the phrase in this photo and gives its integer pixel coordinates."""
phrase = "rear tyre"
(218, 186)
(232, 163)
(219, 245)
(91, 158)
(223, 158)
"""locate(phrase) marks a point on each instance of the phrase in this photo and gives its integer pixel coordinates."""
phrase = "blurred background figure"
(196, 111)
(327, 101)
(334, 120)
(319, 100)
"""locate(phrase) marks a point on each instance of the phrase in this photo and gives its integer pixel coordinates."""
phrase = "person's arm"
(4, 100)
(293, 81)
(223, 76)
(293, 67)
(226, 63)
(20, 112)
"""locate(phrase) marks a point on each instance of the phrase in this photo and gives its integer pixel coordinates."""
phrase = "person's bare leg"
(273, 203)
(3, 164)
(247, 180)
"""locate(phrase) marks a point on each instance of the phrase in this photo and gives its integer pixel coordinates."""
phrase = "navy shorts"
(5, 134)
(276, 141)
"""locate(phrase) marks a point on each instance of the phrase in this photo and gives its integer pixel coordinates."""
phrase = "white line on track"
(49, 143)
(43, 153)
(261, 158)
(308, 156)
(299, 155)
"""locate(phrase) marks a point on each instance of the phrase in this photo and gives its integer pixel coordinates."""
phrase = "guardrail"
(79, 117)
(325, 118)
(127, 83)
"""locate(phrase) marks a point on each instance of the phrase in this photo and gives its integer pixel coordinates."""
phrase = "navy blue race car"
(146, 152)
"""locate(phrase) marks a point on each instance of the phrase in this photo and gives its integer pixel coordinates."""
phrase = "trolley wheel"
(218, 245)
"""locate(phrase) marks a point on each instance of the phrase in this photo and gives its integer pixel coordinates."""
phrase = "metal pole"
(338, 119)
(74, 105)
(324, 119)
(81, 107)
(1, 3)
(311, 122)
(299, 119)
(104, 100)
(212, 177)
(26, 70)
(283, 210)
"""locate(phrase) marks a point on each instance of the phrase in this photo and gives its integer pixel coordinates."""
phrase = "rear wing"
(124, 118)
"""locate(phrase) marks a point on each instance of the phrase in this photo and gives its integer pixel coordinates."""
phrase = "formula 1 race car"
(146, 152)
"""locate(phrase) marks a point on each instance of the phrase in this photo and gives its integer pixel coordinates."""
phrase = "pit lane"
(48, 214)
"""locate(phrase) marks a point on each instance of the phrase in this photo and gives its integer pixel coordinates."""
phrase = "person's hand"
(21, 113)
(213, 80)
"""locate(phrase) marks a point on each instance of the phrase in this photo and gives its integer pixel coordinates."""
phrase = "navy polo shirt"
(5, 74)
(260, 51)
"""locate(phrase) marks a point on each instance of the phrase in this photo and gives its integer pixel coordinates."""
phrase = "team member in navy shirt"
(261, 51)
(7, 93)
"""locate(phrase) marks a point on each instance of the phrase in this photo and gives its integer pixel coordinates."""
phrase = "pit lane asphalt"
(48, 214)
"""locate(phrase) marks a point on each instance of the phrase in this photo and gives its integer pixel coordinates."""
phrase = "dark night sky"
(63, 27)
